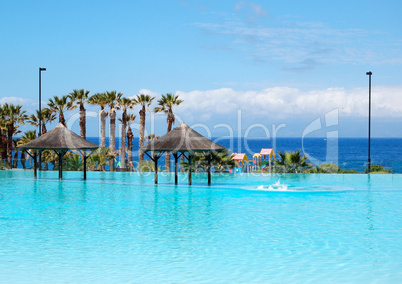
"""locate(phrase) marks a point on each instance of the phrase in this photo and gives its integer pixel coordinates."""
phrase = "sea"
(347, 153)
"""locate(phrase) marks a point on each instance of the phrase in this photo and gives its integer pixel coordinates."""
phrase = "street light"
(369, 126)
(40, 114)
(40, 101)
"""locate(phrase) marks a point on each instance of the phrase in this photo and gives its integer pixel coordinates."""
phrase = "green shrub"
(329, 168)
(378, 169)
(147, 166)
(4, 166)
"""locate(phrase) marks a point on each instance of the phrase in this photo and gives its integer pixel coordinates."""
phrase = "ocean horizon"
(347, 153)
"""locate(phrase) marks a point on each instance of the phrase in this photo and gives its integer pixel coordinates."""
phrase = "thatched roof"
(182, 139)
(59, 138)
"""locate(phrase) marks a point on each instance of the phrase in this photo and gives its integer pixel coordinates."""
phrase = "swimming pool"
(119, 227)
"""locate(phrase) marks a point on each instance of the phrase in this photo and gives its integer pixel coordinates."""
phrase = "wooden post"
(190, 158)
(40, 160)
(209, 169)
(61, 154)
(34, 164)
(155, 158)
(176, 179)
(85, 167)
(60, 165)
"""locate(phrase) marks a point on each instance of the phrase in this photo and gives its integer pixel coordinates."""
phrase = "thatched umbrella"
(183, 140)
(60, 139)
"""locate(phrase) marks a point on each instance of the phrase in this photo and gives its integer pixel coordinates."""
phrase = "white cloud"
(252, 11)
(294, 42)
(282, 102)
(17, 101)
(146, 92)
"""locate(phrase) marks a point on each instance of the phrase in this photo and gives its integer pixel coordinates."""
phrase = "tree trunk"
(130, 138)
(15, 161)
(142, 129)
(62, 119)
(3, 146)
(103, 127)
(44, 130)
(169, 128)
(83, 129)
(123, 140)
(112, 145)
(10, 131)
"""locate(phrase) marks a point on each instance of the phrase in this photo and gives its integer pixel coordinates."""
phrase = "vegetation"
(47, 116)
(147, 166)
(99, 159)
(124, 104)
(59, 105)
(100, 100)
(77, 99)
(166, 104)
(25, 138)
(291, 162)
(11, 117)
(377, 169)
(330, 169)
(221, 162)
(112, 98)
(4, 166)
(145, 102)
(73, 162)
(130, 137)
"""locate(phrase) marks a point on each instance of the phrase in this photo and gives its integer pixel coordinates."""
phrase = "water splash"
(278, 186)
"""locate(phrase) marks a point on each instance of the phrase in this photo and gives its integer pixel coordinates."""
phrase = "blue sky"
(278, 62)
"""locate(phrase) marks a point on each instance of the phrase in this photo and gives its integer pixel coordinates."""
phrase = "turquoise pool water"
(119, 227)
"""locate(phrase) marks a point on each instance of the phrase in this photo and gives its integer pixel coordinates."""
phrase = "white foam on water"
(278, 186)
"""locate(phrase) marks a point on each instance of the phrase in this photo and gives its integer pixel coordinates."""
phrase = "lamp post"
(40, 101)
(369, 125)
(40, 113)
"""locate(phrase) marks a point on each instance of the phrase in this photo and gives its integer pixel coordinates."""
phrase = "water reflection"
(370, 223)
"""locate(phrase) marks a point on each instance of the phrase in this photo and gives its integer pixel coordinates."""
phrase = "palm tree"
(59, 105)
(166, 104)
(124, 104)
(298, 161)
(25, 138)
(100, 100)
(151, 137)
(130, 136)
(16, 152)
(14, 116)
(111, 99)
(80, 97)
(47, 117)
(221, 162)
(98, 159)
(292, 161)
(145, 101)
(73, 163)
(3, 134)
